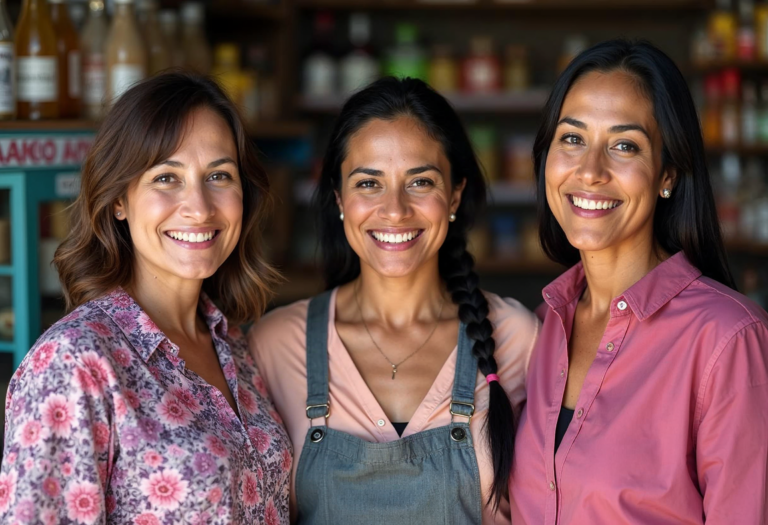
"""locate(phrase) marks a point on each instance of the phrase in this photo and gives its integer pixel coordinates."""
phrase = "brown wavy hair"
(143, 128)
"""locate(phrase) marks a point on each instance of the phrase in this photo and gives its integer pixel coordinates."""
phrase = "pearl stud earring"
(452, 217)
(666, 193)
(341, 216)
(118, 214)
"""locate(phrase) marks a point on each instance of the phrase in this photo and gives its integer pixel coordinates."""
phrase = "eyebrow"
(619, 128)
(213, 164)
(412, 171)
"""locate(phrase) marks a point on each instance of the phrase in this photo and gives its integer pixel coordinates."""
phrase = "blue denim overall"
(427, 478)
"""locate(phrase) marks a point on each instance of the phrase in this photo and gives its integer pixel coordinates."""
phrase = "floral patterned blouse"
(106, 425)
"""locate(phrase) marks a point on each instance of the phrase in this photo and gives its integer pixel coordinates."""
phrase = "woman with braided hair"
(392, 421)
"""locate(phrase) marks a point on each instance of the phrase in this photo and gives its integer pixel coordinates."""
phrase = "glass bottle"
(158, 52)
(37, 79)
(481, 69)
(169, 25)
(68, 44)
(443, 70)
(745, 41)
(7, 95)
(320, 70)
(92, 45)
(407, 58)
(226, 70)
(712, 114)
(359, 68)
(762, 114)
(126, 57)
(517, 71)
(729, 123)
(723, 30)
(197, 52)
(749, 114)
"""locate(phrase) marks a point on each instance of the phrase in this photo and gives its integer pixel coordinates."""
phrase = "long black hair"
(388, 99)
(687, 221)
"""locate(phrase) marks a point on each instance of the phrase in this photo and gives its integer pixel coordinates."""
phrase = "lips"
(192, 236)
(395, 238)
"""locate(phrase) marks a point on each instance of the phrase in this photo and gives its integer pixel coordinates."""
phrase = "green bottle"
(406, 59)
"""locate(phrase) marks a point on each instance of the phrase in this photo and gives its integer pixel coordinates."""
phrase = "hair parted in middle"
(389, 99)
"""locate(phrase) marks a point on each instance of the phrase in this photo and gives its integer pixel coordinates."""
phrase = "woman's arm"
(732, 436)
(58, 437)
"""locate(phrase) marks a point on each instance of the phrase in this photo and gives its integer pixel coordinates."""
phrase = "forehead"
(402, 140)
(609, 98)
(206, 130)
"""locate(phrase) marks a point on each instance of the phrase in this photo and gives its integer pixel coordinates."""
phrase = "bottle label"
(95, 79)
(123, 77)
(37, 79)
(7, 103)
(73, 62)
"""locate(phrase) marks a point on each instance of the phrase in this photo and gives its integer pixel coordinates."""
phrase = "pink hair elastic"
(491, 377)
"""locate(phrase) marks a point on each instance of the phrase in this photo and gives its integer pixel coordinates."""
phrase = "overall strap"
(465, 379)
(317, 356)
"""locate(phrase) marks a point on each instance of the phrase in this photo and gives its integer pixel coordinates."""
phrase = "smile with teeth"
(588, 204)
(395, 238)
(192, 237)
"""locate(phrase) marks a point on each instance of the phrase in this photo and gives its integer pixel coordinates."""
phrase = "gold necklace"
(395, 365)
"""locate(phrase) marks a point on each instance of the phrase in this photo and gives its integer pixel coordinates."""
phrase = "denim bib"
(428, 478)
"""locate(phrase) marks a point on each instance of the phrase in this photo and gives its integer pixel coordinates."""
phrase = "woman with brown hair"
(143, 405)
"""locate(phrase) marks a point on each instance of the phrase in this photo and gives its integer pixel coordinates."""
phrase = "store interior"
(290, 64)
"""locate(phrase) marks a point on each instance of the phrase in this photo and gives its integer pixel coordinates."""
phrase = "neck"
(170, 303)
(401, 301)
(612, 271)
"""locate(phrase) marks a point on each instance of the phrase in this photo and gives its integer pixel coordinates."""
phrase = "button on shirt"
(106, 425)
(672, 419)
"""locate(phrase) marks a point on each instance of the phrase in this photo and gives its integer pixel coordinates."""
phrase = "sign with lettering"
(44, 151)
(67, 185)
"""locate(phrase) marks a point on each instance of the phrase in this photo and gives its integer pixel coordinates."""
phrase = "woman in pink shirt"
(141, 406)
(648, 388)
(385, 410)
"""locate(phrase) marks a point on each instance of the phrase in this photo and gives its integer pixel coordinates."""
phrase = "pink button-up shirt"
(671, 425)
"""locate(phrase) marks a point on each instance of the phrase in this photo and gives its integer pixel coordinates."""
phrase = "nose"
(395, 206)
(592, 169)
(198, 203)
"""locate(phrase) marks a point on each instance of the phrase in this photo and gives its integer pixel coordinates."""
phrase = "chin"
(394, 270)
(589, 243)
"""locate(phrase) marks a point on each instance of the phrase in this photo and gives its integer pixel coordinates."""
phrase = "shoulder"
(281, 325)
(727, 306)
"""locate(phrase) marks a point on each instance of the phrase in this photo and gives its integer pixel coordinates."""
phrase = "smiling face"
(604, 167)
(396, 196)
(185, 214)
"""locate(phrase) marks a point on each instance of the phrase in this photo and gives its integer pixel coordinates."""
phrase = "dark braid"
(387, 99)
(457, 270)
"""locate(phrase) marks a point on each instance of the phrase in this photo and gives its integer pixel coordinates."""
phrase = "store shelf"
(508, 266)
(531, 101)
(268, 129)
(248, 10)
(496, 5)
(752, 248)
(47, 125)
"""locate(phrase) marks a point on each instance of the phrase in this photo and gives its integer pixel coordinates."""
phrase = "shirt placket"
(610, 345)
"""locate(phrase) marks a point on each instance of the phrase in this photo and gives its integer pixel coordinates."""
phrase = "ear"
(118, 210)
(338, 201)
(456, 195)
(668, 179)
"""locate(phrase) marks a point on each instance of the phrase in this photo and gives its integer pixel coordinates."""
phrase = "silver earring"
(452, 217)
(341, 216)
(666, 193)
(118, 214)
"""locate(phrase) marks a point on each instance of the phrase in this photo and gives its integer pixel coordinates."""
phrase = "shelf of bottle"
(250, 10)
(741, 150)
(48, 125)
(531, 101)
(747, 247)
(278, 129)
(491, 5)
(499, 193)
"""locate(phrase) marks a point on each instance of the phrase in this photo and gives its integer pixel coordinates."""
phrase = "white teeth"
(393, 238)
(192, 237)
(587, 204)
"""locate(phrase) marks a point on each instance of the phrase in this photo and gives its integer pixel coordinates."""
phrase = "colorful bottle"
(746, 40)
(443, 70)
(407, 58)
(68, 43)
(481, 69)
(517, 70)
(359, 68)
(92, 45)
(226, 70)
(723, 31)
(197, 52)
(158, 52)
(749, 114)
(729, 124)
(7, 91)
(320, 70)
(126, 57)
(712, 114)
(37, 79)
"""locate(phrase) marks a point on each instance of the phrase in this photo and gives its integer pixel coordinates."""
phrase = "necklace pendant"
(394, 371)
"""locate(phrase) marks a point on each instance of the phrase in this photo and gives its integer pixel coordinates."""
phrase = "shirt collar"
(142, 332)
(645, 297)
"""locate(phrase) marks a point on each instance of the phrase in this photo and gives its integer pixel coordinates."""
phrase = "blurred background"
(290, 64)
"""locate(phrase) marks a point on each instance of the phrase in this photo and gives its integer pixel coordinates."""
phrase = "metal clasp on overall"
(468, 416)
(324, 405)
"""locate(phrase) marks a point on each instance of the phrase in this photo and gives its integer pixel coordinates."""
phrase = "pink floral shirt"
(106, 425)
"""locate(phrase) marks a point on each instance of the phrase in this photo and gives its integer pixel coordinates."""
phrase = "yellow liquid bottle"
(92, 44)
(37, 79)
(126, 57)
(68, 44)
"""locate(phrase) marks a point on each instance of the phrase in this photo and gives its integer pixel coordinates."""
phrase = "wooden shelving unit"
(751, 248)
